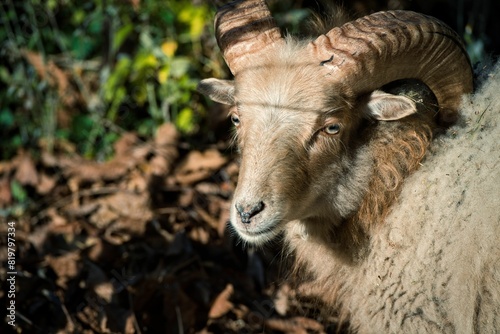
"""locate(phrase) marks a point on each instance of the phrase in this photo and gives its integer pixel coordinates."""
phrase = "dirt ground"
(139, 244)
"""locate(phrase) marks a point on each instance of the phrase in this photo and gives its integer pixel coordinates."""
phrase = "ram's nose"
(247, 211)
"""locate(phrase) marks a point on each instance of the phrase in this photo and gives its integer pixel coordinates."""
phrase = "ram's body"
(434, 265)
(325, 154)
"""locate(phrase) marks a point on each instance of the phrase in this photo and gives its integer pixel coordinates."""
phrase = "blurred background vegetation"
(77, 74)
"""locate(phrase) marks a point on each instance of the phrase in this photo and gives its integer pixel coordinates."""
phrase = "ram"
(331, 131)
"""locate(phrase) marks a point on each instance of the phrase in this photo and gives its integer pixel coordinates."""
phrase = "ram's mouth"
(259, 236)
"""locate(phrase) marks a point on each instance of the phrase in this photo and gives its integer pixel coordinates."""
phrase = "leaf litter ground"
(140, 244)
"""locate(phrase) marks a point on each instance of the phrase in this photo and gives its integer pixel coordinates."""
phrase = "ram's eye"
(332, 129)
(235, 119)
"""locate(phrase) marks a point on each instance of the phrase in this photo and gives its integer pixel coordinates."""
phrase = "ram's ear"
(388, 107)
(218, 90)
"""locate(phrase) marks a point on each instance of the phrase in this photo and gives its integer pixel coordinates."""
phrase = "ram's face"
(297, 135)
(292, 133)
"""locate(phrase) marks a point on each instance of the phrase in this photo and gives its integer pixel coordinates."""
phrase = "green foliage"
(120, 65)
(83, 71)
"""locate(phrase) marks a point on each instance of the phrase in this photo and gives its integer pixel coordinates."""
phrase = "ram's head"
(304, 111)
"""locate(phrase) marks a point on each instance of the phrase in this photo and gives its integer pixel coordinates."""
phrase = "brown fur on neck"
(398, 149)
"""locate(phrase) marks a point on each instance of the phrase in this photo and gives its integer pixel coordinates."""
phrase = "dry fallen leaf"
(45, 184)
(198, 166)
(125, 205)
(89, 171)
(296, 325)
(222, 305)
(26, 172)
(104, 290)
(5, 194)
(166, 134)
(125, 143)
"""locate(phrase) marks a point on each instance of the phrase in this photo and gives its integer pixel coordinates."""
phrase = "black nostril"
(247, 212)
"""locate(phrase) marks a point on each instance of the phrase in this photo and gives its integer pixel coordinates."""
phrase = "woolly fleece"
(434, 267)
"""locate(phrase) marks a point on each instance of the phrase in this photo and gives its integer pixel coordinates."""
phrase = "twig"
(134, 318)
(179, 320)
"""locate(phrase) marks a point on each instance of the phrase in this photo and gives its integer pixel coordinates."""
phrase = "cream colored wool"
(434, 265)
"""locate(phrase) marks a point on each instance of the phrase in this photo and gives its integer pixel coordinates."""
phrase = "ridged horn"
(244, 29)
(374, 50)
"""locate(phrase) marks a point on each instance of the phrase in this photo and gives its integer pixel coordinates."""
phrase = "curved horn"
(374, 50)
(243, 29)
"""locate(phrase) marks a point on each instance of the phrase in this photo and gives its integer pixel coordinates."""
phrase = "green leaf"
(82, 45)
(179, 66)
(78, 17)
(121, 35)
(96, 23)
(6, 118)
(4, 74)
(117, 79)
(196, 18)
(185, 120)
(146, 127)
(80, 128)
(18, 192)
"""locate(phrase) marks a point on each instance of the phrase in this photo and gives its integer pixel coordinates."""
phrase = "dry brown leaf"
(49, 160)
(192, 177)
(197, 166)
(103, 217)
(296, 325)
(222, 305)
(89, 316)
(129, 327)
(124, 228)
(207, 188)
(125, 143)
(6, 167)
(81, 210)
(131, 205)
(122, 214)
(104, 290)
(26, 173)
(56, 220)
(38, 237)
(5, 193)
(45, 184)
(164, 158)
(136, 182)
(210, 159)
(87, 171)
(140, 152)
(200, 235)
(159, 165)
(166, 135)
(241, 311)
